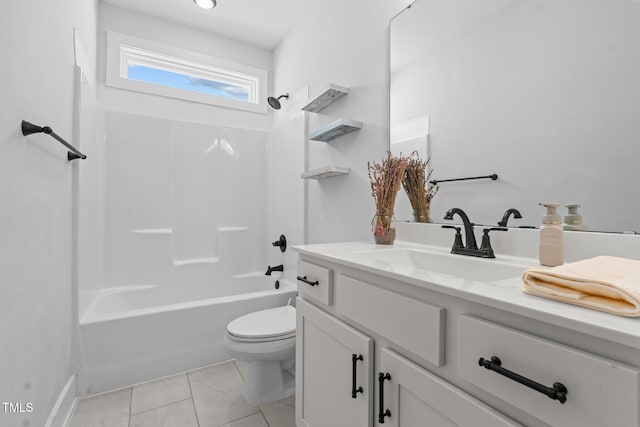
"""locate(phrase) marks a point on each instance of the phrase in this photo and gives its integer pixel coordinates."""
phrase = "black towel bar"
(29, 128)
(493, 177)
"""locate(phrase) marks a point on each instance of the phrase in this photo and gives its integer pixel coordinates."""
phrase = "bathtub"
(133, 334)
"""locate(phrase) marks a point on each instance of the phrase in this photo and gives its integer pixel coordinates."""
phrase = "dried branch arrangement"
(416, 183)
(386, 180)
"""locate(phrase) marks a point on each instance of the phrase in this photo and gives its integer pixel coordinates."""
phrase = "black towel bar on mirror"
(493, 177)
(29, 128)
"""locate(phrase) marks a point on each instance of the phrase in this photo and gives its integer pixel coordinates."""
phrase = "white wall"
(125, 21)
(36, 289)
(344, 43)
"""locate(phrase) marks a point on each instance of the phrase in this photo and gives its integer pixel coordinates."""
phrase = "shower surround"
(178, 246)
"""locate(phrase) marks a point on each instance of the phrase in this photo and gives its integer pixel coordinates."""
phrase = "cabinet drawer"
(315, 282)
(414, 325)
(600, 392)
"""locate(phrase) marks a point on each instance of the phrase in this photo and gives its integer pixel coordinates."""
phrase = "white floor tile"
(105, 410)
(256, 420)
(279, 414)
(243, 367)
(159, 393)
(180, 414)
(217, 395)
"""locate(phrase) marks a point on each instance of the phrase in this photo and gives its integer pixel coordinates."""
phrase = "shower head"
(275, 102)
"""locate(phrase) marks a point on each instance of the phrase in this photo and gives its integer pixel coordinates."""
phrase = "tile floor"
(206, 397)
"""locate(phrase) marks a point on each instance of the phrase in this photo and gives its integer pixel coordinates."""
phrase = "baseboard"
(63, 409)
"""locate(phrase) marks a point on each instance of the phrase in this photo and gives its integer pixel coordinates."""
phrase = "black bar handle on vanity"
(557, 392)
(382, 413)
(307, 281)
(354, 390)
(29, 128)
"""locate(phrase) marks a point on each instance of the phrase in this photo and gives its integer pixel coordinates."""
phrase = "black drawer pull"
(382, 412)
(557, 392)
(307, 281)
(354, 390)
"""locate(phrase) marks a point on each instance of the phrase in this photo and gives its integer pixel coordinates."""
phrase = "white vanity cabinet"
(415, 397)
(338, 382)
(333, 371)
(375, 350)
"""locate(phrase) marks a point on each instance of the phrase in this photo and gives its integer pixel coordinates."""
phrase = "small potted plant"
(416, 185)
(386, 180)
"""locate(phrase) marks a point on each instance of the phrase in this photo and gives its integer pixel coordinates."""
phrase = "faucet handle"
(451, 226)
(457, 241)
(485, 247)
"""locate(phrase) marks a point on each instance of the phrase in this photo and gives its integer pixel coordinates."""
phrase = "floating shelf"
(325, 172)
(335, 129)
(326, 98)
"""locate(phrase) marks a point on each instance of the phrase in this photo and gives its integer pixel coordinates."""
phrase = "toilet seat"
(273, 324)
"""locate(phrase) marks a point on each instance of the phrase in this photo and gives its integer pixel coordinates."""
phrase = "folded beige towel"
(603, 283)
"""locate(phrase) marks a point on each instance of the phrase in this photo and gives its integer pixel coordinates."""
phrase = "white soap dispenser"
(551, 237)
(573, 220)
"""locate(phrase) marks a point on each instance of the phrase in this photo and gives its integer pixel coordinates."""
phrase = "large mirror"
(543, 93)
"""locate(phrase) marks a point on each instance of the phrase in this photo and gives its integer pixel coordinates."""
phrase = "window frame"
(124, 50)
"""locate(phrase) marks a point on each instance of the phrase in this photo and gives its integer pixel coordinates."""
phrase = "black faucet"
(272, 269)
(505, 218)
(469, 236)
(471, 247)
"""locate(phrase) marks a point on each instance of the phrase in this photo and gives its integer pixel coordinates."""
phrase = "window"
(150, 67)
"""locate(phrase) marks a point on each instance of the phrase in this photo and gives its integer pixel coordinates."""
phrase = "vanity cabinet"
(377, 350)
(336, 374)
(415, 397)
(333, 365)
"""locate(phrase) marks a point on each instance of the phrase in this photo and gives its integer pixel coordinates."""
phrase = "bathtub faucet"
(272, 269)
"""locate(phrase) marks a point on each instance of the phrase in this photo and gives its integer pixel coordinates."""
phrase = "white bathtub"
(136, 333)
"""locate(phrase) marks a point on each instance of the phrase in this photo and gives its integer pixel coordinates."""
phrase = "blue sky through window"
(186, 82)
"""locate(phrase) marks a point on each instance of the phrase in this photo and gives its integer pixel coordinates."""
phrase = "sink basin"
(460, 266)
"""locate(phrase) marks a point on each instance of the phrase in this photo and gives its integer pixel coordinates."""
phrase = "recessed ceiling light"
(206, 4)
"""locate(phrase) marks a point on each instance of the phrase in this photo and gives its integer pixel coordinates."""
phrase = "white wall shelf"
(335, 130)
(325, 172)
(326, 98)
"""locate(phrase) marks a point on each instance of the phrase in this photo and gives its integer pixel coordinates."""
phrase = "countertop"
(503, 294)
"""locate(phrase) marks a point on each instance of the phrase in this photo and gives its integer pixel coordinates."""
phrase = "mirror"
(543, 93)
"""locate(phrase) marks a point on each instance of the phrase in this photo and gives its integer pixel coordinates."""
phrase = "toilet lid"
(274, 322)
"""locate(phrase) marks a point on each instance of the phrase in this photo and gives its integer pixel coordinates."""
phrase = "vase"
(421, 215)
(383, 226)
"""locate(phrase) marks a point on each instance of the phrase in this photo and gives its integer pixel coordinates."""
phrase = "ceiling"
(256, 22)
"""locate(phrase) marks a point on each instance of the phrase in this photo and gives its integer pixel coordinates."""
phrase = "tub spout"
(272, 269)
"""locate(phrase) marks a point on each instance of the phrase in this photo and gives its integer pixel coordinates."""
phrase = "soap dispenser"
(573, 220)
(551, 237)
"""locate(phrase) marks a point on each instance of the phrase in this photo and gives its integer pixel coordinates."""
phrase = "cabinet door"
(415, 397)
(324, 371)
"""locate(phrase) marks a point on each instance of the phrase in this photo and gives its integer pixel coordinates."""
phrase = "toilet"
(266, 340)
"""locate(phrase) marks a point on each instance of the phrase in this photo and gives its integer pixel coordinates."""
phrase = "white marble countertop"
(503, 294)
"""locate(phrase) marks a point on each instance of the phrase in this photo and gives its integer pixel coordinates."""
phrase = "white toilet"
(266, 340)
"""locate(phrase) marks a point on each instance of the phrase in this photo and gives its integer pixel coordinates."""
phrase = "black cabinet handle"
(307, 281)
(382, 413)
(557, 392)
(354, 390)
